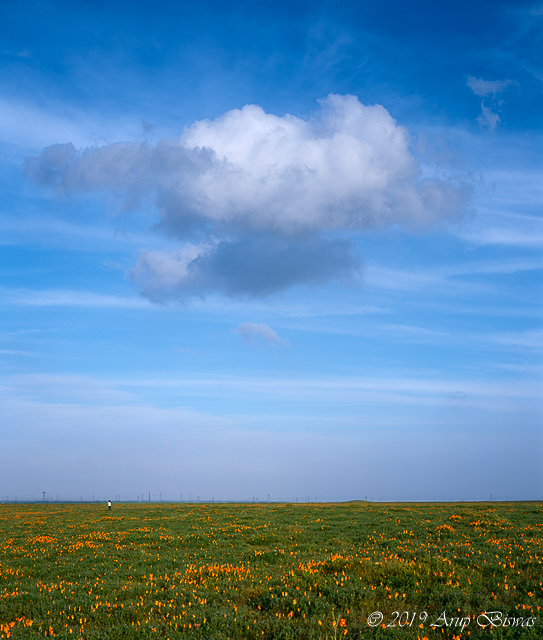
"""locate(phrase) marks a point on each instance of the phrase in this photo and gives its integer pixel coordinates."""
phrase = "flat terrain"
(271, 571)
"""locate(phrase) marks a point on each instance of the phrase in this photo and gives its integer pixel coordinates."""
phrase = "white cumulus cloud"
(265, 200)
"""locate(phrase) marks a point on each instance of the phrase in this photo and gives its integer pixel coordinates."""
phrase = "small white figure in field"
(109, 504)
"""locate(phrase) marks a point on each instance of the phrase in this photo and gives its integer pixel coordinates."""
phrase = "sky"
(271, 250)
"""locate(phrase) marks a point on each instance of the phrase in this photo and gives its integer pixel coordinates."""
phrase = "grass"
(271, 571)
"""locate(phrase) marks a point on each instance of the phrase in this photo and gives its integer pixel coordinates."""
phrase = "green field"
(271, 571)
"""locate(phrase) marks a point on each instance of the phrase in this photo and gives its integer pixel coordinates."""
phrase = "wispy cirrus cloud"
(15, 352)
(69, 298)
(453, 275)
(530, 340)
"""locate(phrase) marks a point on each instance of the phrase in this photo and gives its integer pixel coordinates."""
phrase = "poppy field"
(271, 571)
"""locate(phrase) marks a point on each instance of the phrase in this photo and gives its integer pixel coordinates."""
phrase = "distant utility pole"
(149, 496)
(43, 496)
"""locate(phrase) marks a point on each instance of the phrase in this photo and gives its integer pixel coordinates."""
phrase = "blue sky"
(285, 249)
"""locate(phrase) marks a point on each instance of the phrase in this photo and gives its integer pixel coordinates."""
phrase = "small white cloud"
(488, 89)
(252, 330)
(485, 88)
(458, 396)
(488, 118)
